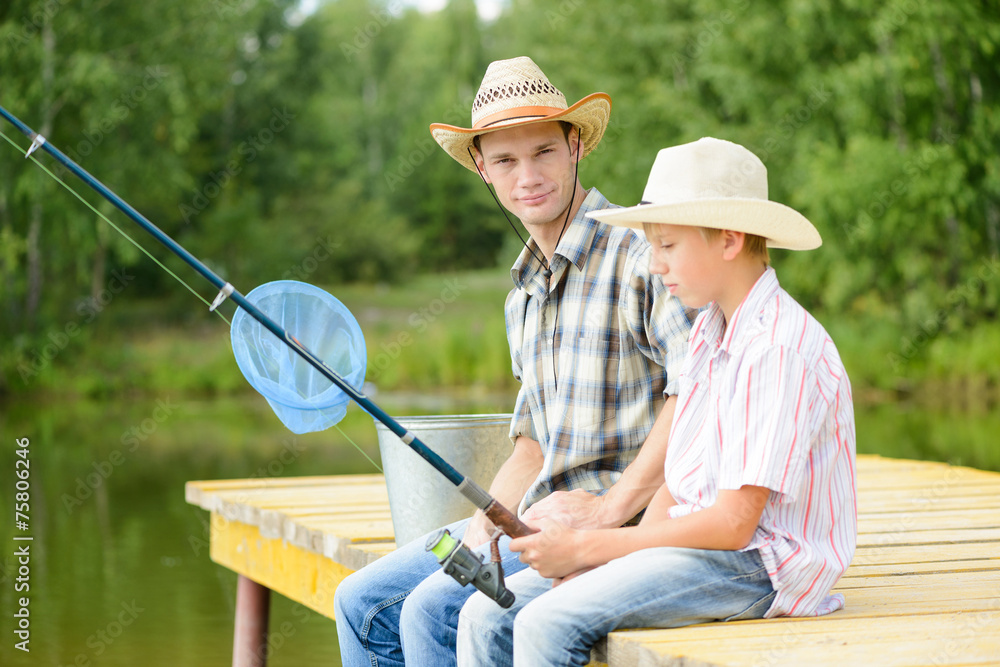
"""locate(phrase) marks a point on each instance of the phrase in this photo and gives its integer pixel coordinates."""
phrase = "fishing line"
(113, 225)
(488, 579)
(158, 262)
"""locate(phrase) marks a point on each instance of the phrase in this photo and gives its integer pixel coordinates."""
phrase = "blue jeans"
(403, 607)
(664, 587)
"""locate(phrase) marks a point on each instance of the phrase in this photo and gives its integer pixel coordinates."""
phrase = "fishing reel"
(466, 566)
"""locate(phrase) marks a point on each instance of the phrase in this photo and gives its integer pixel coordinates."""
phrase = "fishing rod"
(458, 561)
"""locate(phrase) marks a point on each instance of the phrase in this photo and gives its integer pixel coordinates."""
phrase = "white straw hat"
(718, 184)
(516, 92)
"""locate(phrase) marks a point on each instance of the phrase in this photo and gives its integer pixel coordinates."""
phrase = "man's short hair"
(566, 127)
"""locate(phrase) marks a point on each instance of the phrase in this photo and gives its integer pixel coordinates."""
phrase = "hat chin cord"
(546, 271)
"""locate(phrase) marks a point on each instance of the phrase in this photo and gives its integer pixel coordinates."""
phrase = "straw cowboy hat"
(718, 184)
(516, 92)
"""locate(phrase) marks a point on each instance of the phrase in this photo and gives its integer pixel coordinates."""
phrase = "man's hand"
(574, 509)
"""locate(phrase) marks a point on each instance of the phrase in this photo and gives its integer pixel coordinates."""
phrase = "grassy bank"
(444, 331)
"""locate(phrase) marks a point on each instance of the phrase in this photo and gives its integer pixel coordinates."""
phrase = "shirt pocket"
(591, 374)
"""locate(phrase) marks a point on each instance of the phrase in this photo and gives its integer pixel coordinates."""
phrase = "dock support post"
(250, 634)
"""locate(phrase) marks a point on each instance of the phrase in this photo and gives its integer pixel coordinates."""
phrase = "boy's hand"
(554, 552)
(574, 509)
(562, 580)
(478, 530)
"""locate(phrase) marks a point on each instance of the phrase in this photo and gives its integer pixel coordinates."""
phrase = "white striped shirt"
(765, 401)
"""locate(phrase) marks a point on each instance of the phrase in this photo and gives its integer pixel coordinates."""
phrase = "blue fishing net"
(303, 399)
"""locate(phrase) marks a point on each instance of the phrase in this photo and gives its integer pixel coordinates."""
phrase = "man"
(590, 336)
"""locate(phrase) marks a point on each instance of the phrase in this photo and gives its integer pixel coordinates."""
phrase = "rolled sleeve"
(522, 422)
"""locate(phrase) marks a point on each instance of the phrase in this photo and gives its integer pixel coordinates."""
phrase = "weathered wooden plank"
(248, 509)
(916, 523)
(929, 536)
(980, 495)
(774, 641)
(299, 527)
(889, 601)
(982, 577)
(893, 607)
(896, 569)
(903, 475)
(930, 639)
(196, 491)
(919, 554)
(902, 503)
(263, 497)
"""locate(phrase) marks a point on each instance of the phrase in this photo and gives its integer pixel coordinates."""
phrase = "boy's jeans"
(404, 605)
(664, 587)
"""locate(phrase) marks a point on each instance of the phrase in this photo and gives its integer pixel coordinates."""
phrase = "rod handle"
(506, 520)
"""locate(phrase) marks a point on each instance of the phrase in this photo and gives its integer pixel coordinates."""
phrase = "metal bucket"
(420, 498)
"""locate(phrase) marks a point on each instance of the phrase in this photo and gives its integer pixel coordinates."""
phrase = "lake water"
(119, 566)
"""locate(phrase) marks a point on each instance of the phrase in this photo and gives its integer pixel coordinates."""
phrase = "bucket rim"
(449, 421)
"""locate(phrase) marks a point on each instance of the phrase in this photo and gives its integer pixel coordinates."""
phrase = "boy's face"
(687, 264)
(532, 169)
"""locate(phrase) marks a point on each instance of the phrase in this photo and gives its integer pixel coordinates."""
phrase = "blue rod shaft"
(419, 447)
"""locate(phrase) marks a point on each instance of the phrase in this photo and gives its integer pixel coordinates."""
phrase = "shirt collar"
(746, 321)
(574, 246)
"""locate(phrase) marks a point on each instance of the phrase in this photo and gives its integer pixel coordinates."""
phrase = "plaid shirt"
(595, 353)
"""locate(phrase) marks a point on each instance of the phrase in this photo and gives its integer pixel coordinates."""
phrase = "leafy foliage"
(273, 144)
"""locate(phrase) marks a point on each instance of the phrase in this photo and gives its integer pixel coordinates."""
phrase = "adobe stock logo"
(418, 321)
(131, 438)
(247, 151)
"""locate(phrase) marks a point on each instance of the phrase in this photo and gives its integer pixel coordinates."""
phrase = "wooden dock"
(923, 588)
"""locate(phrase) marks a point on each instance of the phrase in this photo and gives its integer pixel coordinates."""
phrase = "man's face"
(532, 169)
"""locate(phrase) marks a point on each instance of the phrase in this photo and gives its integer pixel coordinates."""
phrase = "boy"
(757, 517)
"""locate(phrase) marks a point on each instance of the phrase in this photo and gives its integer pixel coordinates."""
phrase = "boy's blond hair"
(754, 247)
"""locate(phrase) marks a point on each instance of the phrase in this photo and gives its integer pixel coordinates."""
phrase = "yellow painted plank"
(301, 575)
